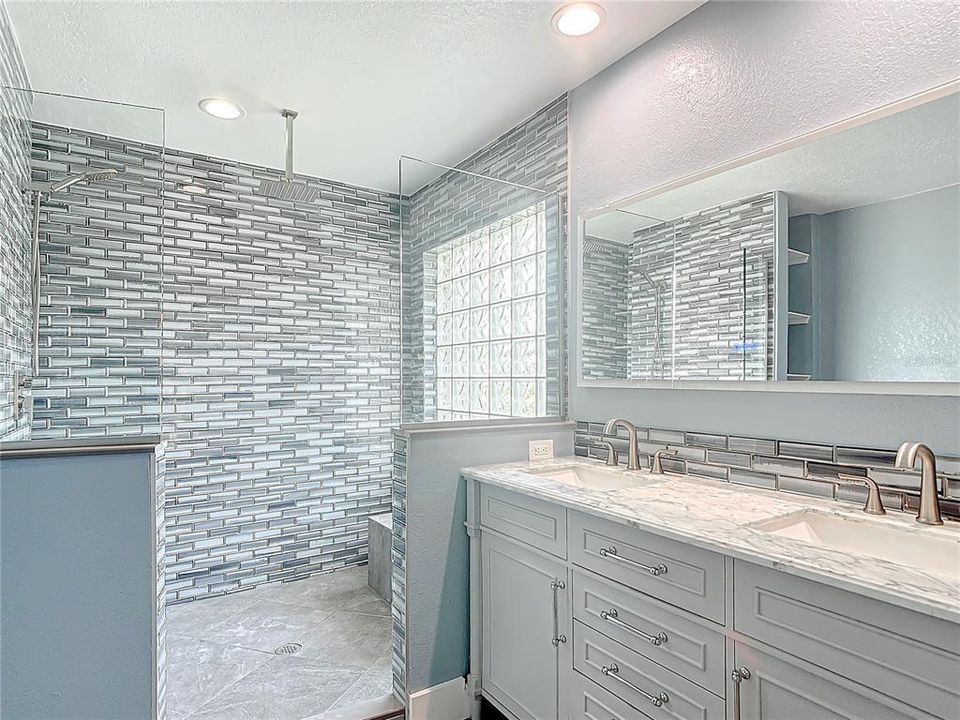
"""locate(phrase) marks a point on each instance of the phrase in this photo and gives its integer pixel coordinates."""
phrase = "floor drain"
(288, 649)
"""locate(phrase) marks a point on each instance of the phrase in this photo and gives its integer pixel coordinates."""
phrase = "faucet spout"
(907, 454)
(633, 456)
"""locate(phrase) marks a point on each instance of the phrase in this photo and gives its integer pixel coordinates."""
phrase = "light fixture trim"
(578, 19)
(221, 108)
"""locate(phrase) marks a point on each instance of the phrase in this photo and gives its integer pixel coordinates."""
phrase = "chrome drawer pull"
(558, 637)
(611, 671)
(611, 552)
(611, 617)
(738, 676)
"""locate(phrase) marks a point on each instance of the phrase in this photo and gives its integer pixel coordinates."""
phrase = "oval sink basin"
(934, 550)
(592, 478)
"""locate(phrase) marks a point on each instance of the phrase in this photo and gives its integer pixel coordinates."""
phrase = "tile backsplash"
(783, 465)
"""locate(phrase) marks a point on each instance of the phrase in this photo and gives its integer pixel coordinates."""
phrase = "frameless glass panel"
(480, 297)
(81, 266)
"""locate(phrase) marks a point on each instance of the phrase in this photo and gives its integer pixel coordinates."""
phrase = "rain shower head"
(287, 189)
(88, 176)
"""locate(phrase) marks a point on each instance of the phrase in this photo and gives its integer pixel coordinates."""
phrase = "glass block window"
(491, 325)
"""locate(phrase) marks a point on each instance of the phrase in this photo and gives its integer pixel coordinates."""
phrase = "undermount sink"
(934, 550)
(592, 478)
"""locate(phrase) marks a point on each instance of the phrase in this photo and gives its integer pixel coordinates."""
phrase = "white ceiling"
(371, 80)
(909, 152)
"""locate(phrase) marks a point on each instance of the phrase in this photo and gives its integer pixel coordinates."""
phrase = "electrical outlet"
(541, 449)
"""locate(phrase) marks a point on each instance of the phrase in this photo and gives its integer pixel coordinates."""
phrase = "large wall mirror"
(833, 258)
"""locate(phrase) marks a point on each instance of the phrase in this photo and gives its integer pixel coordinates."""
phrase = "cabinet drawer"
(534, 522)
(904, 654)
(638, 680)
(589, 701)
(651, 628)
(677, 573)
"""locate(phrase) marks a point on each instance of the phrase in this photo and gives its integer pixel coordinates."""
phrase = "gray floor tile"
(266, 625)
(365, 600)
(197, 670)
(374, 683)
(194, 619)
(330, 590)
(348, 640)
(284, 688)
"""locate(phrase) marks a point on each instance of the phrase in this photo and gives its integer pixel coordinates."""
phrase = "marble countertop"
(718, 516)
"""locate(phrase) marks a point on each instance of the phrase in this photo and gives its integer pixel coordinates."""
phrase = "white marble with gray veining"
(717, 516)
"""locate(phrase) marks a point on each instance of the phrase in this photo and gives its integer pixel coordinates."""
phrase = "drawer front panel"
(638, 680)
(901, 653)
(528, 520)
(589, 701)
(651, 628)
(679, 574)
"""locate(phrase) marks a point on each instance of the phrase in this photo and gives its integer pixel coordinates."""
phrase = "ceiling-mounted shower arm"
(289, 116)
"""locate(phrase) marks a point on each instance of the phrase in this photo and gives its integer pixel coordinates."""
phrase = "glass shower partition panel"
(82, 313)
(480, 296)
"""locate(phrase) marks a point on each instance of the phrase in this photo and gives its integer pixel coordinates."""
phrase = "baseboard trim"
(446, 701)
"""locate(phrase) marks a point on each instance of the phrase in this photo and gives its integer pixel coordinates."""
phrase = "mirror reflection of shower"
(39, 190)
(657, 370)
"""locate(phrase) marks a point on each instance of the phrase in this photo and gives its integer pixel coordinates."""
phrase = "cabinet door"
(520, 660)
(778, 690)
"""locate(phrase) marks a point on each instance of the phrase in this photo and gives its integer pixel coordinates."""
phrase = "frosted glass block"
(500, 397)
(524, 358)
(461, 326)
(461, 259)
(461, 397)
(541, 230)
(524, 398)
(479, 396)
(444, 361)
(500, 320)
(444, 265)
(542, 357)
(541, 398)
(480, 251)
(500, 359)
(541, 272)
(480, 360)
(524, 317)
(501, 244)
(461, 361)
(443, 394)
(525, 276)
(525, 236)
(500, 283)
(460, 416)
(461, 293)
(541, 314)
(444, 329)
(480, 324)
(444, 415)
(480, 288)
(444, 297)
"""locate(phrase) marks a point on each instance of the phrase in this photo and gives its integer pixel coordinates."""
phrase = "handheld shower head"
(88, 176)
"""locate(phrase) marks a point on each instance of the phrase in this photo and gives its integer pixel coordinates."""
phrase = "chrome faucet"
(611, 451)
(907, 455)
(874, 504)
(633, 456)
(656, 464)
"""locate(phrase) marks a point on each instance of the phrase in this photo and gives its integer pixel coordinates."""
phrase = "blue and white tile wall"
(278, 348)
(533, 154)
(15, 229)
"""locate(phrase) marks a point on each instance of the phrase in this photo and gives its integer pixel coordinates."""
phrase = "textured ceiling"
(371, 80)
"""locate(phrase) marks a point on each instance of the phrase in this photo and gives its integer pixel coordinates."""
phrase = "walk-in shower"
(38, 190)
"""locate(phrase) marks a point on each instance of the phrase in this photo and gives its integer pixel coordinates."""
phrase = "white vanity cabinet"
(577, 617)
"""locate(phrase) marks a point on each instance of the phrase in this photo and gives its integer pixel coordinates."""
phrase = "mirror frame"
(943, 389)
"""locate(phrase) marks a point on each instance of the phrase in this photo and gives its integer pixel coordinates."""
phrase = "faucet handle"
(874, 505)
(612, 458)
(656, 465)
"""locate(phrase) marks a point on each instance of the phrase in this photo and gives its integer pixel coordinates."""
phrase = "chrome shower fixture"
(88, 176)
(287, 189)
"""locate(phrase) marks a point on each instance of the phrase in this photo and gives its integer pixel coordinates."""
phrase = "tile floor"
(220, 652)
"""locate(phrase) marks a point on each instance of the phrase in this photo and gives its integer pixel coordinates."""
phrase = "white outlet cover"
(541, 449)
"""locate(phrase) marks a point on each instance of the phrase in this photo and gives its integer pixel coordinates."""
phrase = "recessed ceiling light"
(194, 189)
(578, 19)
(221, 108)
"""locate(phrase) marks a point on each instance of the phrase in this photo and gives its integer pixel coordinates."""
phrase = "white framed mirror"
(828, 263)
